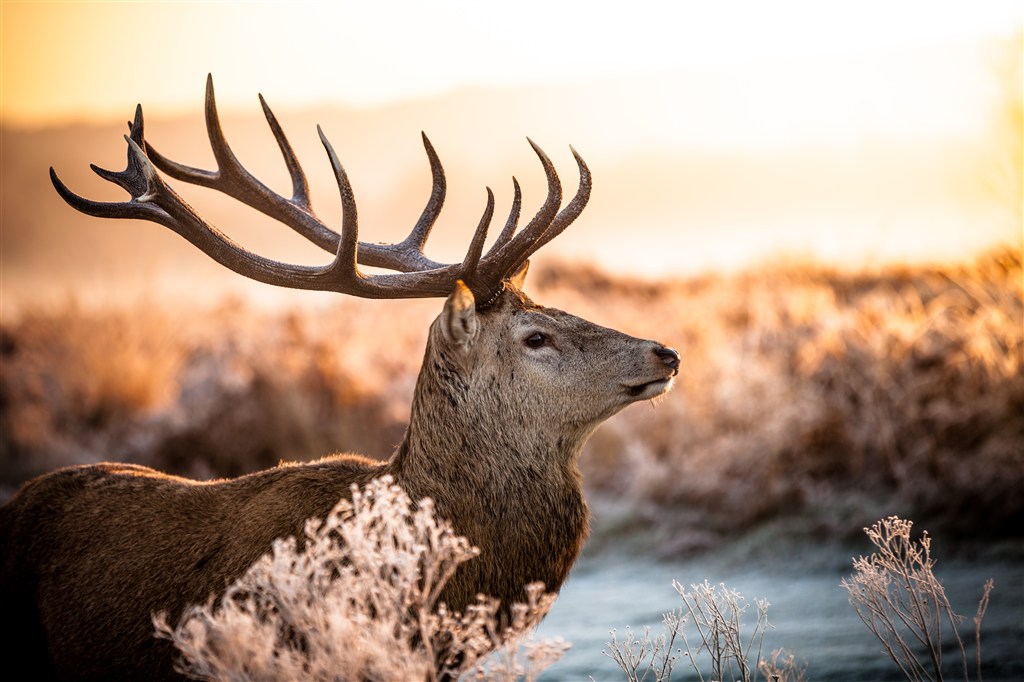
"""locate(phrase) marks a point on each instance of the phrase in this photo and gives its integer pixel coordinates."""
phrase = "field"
(814, 398)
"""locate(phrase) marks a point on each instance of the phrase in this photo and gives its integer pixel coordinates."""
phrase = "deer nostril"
(668, 356)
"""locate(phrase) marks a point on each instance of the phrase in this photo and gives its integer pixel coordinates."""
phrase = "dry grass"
(70, 377)
(221, 393)
(897, 596)
(724, 648)
(836, 397)
(894, 592)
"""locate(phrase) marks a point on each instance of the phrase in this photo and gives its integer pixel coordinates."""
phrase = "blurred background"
(818, 204)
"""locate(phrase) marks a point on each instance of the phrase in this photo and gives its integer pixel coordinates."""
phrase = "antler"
(415, 275)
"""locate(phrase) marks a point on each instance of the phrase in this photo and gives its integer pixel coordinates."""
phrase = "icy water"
(808, 610)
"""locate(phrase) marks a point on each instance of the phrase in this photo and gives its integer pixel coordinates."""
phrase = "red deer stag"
(508, 392)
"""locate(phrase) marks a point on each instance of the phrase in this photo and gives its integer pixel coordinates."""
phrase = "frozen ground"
(809, 610)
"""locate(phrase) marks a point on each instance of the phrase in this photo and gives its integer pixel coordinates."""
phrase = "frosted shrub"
(898, 597)
(358, 600)
(716, 615)
(519, 656)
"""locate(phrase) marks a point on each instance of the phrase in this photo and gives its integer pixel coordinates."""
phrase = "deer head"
(535, 364)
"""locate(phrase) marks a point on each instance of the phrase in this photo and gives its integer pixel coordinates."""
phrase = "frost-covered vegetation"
(825, 398)
(707, 634)
(899, 599)
(894, 592)
(356, 598)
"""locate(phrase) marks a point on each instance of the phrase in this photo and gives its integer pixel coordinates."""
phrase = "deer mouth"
(649, 389)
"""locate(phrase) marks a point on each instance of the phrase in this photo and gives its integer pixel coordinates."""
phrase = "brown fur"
(90, 553)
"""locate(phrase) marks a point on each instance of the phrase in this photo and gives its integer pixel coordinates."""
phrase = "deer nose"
(668, 356)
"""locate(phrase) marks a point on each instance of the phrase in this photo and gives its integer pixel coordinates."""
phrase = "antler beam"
(415, 274)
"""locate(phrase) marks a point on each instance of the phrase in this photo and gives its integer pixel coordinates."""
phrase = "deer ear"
(518, 277)
(458, 319)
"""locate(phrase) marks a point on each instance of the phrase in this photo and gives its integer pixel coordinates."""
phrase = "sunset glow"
(730, 134)
(90, 59)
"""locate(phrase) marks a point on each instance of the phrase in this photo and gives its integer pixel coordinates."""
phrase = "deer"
(507, 395)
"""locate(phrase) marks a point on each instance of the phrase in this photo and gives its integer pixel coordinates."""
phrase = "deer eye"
(536, 340)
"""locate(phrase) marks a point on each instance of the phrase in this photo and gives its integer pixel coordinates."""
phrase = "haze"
(719, 137)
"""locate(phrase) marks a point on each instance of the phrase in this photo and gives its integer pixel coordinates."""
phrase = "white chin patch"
(651, 389)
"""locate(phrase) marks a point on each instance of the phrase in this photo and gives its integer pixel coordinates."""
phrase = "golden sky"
(95, 59)
(729, 133)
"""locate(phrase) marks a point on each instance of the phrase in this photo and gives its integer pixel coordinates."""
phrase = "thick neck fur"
(464, 430)
(509, 475)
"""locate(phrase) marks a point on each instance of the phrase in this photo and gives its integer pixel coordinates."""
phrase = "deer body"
(506, 397)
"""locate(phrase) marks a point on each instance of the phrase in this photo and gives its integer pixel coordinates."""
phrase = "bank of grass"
(834, 397)
(805, 392)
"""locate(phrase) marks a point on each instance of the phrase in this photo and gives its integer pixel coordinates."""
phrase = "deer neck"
(513, 490)
(475, 447)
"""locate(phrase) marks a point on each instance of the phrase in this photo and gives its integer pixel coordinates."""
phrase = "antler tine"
(550, 206)
(300, 186)
(502, 261)
(232, 178)
(418, 236)
(228, 165)
(510, 224)
(572, 210)
(348, 245)
(105, 209)
(214, 179)
(133, 179)
(410, 254)
(476, 247)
